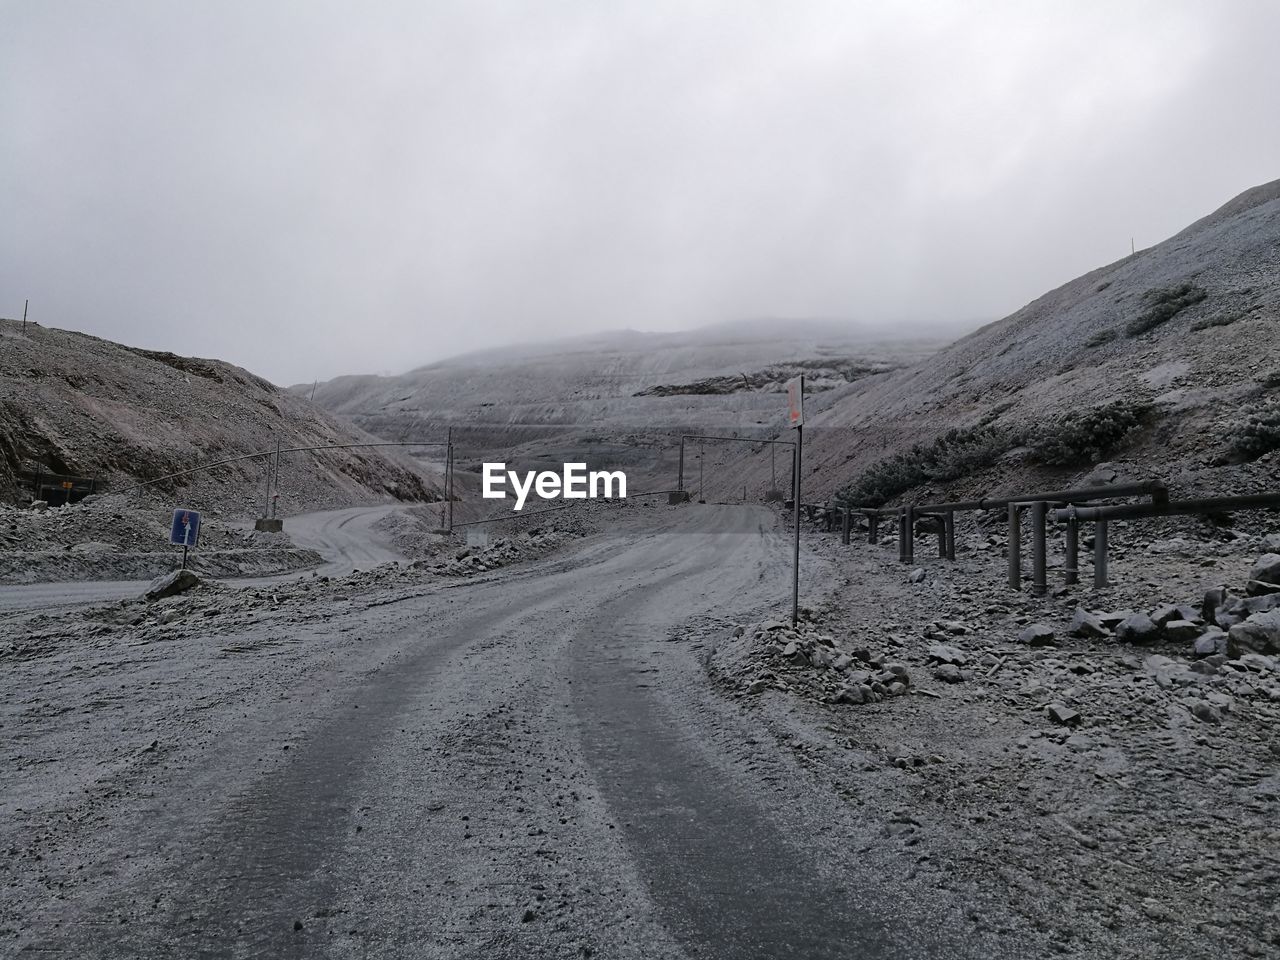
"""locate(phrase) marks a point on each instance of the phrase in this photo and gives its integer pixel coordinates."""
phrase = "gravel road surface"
(345, 538)
(525, 765)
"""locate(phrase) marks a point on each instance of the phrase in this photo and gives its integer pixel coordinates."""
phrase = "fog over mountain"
(311, 190)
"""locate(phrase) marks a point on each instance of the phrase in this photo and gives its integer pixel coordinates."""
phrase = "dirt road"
(346, 539)
(522, 767)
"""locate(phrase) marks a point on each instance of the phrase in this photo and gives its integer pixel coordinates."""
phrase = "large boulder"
(1167, 612)
(1215, 642)
(1268, 601)
(1265, 575)
(1214, 600)
(1260, 633)
(1181, 631)
(1114, 618)
(171, 584)
(1085, 624)
(1138, 629)
(1037, 635)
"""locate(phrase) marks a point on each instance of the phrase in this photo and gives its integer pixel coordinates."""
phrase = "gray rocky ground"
(569, 752)
(1122, 799)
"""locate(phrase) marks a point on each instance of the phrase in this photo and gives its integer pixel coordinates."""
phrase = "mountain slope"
(610, 395)
(1190, 326)
(72, 403)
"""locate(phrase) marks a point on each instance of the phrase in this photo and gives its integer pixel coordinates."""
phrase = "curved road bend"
(344, 538)
(520, 776)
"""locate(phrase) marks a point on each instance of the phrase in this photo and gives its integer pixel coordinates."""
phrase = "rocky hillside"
(1167, 361)
(617, 398)
(71, 403)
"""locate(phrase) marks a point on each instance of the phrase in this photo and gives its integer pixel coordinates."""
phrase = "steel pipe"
(1134, 511)
(1100, 554)
(1071, 571)
(1015, 548)
(1039, 561)
(1153, 488)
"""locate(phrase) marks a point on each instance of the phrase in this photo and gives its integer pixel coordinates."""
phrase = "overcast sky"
(311, 188)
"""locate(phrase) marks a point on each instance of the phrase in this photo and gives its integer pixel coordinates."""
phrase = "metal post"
(902, 535)
(949, 530)
(266, 490)
(1039, 561)
(845, 523)
(911, 534)
(795, 499)
(275, 484)
(680, 475)
(25, 304)
(702, 497)
(1099, 554)
(448, 470)
(184, 556)
(1071, 573)
(1015, 548)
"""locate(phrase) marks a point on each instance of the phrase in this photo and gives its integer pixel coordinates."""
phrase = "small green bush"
(1162, 304)
(954, 454)
(1221, 320)
(1101, 337)
(1256, 434)
(1087, 436)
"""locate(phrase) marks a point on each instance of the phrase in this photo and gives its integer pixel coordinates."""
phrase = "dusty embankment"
(1118, 789)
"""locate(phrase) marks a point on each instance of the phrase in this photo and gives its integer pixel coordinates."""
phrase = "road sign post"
(185, 531)
(795, 418)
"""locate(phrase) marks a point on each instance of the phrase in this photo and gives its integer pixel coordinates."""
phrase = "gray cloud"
(309, 189)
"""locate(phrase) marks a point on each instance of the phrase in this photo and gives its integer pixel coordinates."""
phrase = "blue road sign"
(186, 528)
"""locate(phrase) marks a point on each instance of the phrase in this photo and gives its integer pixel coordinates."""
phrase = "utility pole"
(448, 476)
(276, 483)
(266, 491)
(312, 398)
(702, 498)
(796, 414)
(25, 304)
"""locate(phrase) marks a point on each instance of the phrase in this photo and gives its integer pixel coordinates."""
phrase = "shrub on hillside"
(954, 454)
(1163, 304)
(1101, 337)
(1087, 436)
(1256, 434)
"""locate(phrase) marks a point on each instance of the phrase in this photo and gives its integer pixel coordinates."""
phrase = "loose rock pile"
(1223, 624)
(802, 658)
(502, 552)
